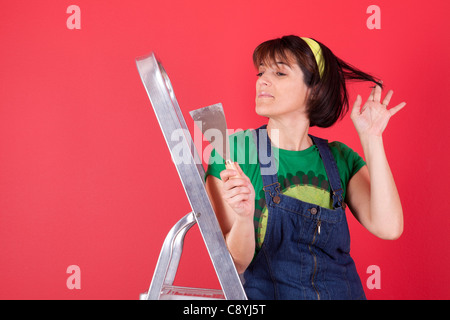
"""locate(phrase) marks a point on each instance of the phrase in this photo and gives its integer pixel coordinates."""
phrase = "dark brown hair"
(328, 98)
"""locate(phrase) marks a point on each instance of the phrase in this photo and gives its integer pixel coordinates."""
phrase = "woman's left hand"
(374, 116)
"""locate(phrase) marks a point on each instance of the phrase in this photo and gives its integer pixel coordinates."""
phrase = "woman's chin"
(263, 111)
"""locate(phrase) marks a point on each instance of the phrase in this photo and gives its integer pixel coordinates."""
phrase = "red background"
(86, 177)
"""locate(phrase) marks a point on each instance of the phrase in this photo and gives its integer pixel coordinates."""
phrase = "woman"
(300, 246)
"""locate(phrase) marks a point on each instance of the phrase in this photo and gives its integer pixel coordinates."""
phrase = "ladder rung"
(186, 293)
(182, 293)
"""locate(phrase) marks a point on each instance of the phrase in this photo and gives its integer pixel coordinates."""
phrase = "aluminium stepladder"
(191, 173)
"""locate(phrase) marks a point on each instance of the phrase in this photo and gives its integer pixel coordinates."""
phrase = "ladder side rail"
(169, 258)
(177, 248)
(182, 121)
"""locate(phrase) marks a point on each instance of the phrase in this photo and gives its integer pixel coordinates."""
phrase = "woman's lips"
(264, 95)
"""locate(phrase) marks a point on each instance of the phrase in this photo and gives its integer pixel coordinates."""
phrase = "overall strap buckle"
(338, 199)
(274, 187)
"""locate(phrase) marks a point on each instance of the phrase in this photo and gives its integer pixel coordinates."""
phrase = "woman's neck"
(291, 134)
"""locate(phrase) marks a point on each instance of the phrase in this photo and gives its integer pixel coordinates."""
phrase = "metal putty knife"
(213, 117)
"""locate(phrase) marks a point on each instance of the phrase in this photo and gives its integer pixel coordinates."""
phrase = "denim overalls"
(306, 248)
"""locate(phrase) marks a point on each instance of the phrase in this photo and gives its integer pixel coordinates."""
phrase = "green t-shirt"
(301, 173)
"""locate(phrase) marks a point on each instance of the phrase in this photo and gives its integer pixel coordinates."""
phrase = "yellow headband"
(315, 48)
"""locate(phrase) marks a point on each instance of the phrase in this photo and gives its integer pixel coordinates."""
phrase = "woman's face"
(280, 89)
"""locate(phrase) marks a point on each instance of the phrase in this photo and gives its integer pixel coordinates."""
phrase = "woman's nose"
(263, 80)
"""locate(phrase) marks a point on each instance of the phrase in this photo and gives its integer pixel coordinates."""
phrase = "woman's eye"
(280, 74)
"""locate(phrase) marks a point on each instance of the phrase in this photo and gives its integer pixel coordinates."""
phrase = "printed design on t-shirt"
(305, 187)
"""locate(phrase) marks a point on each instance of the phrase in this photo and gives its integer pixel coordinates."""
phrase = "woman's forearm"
(241, 242)
(386, 214)
(238, 229)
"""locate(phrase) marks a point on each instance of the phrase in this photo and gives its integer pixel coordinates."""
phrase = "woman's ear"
(310, 94)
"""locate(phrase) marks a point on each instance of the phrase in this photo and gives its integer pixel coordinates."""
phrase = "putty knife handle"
(230, 165)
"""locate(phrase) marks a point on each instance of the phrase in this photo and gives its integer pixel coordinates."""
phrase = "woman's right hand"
(238, 191)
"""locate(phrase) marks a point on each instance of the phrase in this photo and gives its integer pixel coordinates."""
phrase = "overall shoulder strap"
(331, 169)
(268, 167)
(266, 159)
